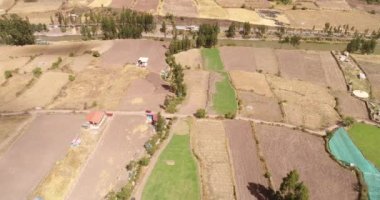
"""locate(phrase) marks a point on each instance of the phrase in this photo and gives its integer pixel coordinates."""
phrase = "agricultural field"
(371, 67)
(223, 94)
(348, 105)
(175, 175)
(366, 138)
(47, 138)
(210, 147)
(186, 8)
(308, 156)
(122, 142)
(35, 6)
(10, 129)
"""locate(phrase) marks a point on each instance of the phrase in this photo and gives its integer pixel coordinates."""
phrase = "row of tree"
(364, 46)
(179, 45)
(17, 31)
(207, 35)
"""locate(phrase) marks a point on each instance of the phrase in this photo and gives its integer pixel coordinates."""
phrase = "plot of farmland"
(122, 142)
(286, 149)
(146, 5)
(249, 172)
(304, 104)
(40, 94)
(12, 64)
(191, 58)
(122, 3)
(246, 3)
(372, 70)
(334, 76)
(145, 94)
(35, 6)
(238, 58)
(197, 89)
(333, 4)
(13, 87)
(129, 51)
(186, 8)
(259, 107)
(209, 144)
(351, 106)
(175, 175)
(251, 81)
(45, 141)
(10, 128)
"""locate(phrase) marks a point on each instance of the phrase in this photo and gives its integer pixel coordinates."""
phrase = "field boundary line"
(227, 145)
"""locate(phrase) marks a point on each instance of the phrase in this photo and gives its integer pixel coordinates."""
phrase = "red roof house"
(95, 117)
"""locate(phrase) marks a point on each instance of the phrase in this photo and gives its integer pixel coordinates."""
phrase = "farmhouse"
(96, 119)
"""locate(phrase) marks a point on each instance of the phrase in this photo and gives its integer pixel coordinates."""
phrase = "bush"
(200, 113)
(144, 161)
(171, 103)
(229, 115)
(8, 74)
(96, 54)
(71, 77)
(37, 72)
(348, 121)
(71, 54)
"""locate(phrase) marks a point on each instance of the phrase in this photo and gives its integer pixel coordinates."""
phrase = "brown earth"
(11, 64)
(122, 3)
(286, 149)
(372, 70)
(249, 173)
(128, 52)
(46, 140)
(186, 8)
(333, 4)
(43, 61)
(191, 58)
(362, 5)
(13, 87)
(266, 60)
(251, 81)
(9, 126)
(259, 107)
(197, 88)
(145, 94)
(43, 92)
(121, 143)
(210, 146)
(5, 4)
(246, 3)
(103, 88)
(146, 5)
(334, 76)
(37, 6)
(351, 106)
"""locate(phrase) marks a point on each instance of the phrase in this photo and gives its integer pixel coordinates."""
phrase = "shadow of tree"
(261, 192)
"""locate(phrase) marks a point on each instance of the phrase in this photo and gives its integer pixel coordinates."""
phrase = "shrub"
(144, 161)
(348, 121)
(8, 74)
(200, 113)
(37, 72)
(229, 115)
(96, 54)
(71, 77)
(71, 54)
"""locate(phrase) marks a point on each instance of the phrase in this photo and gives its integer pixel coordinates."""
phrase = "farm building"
(96, 119)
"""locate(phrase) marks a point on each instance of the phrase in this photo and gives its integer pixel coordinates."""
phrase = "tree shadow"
(260, 191)
(166, 87)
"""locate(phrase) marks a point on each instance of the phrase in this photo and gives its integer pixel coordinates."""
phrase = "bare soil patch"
(37, 6)
(351, 106)
(197, 88)
(186, 8)
(244, 15)
(266, 60)
(122, 3)
(307, 19)
(44, 142)
(362, 5)
(246, 3)
(13, 87)
(11, 64)
(191, 58)
(251, 81)
(5, 4)
(44, 62)
(372, 70)
(286, 149)
(105, 87)
(9, 126)
(129, 51)
(334, 76)
(210, 146)
(180, 127)
(259, 107)
(146, 5)
(145, 94)
(304, 103)
(238, 58)
(333, 4)
(246, 163)
(106, 168)
(46, 88)
(100, 3)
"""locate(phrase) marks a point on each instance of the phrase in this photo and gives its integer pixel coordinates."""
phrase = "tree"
(354, 45)
(163, 28)
(292, 189)
(37, 72)
(231, 30)
(200, 113)
(246, 29)
(16, 31)
(8, 74)
(348, 121)
(295, 40)
(207, 35)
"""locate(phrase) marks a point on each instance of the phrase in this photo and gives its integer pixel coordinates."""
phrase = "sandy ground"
(12, 64)
(121, 143)
(129, 51)
(259, 107)
(307, 19)
(362, 5)
(372, 70)
(80, 63)
(351, 106)
(246, 164)
(122, 3)
(333, 4)
(9, 129)
(304, 103)
(5, 4)
(197, 85)
(244, 15)
(43, 61)
(46, 88)
(249, 59)
(246, 3)
(333, 75)
(145, 94)
(186, 8)
(146, 5)
(47, 139)
(13, 88)
(251, 81)
(210, 146)
(38, 6)
(286, 149)
(104, 86)
(100, 3)
(191, 58)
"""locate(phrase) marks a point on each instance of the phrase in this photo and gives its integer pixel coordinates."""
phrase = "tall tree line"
(362, 45)
(207, 35)
(17, 31)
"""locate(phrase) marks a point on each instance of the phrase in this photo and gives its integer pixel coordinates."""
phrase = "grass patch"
(224, 99)
(175, 175)
(367, 138)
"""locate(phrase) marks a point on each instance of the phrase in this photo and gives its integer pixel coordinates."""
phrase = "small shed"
(142, 61)
(362, 75)
(95, 118)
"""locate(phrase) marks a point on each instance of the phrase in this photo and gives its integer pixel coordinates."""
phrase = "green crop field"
(224, 99)
(367, 139)
(175, 175)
